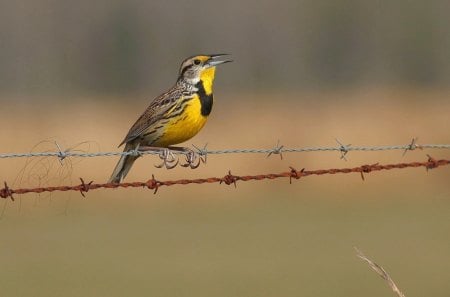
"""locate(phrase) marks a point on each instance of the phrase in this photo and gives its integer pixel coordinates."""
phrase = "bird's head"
(201, 68)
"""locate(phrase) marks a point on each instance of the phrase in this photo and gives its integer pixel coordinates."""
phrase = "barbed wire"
(228, 179)
(203, 151)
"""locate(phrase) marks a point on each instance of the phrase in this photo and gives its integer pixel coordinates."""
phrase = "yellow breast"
(185, 126)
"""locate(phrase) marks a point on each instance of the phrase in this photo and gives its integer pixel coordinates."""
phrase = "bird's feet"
(193, 159)
(169, 160)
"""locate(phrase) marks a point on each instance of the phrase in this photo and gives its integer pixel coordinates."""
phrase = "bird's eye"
(197, 62)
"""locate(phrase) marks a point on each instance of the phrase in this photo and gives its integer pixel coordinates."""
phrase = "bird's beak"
(215, 60)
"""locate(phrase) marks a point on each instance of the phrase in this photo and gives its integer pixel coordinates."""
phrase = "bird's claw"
(169, 160)
(193, 159)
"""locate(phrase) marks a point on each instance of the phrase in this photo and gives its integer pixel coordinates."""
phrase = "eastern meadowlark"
(176, 115)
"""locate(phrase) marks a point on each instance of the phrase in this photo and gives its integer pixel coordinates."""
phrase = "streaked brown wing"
(154, 112)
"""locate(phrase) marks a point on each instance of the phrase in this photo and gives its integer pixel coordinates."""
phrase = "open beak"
(215, 60)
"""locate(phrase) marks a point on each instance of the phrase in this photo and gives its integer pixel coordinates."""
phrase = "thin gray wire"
(336, 148)
(277, 150)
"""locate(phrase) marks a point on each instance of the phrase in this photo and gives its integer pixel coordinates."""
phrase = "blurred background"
(304, 73)
(66, 47)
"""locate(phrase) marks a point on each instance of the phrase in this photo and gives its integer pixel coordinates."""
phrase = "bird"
(176, 115)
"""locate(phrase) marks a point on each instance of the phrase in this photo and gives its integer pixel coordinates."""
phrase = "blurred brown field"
(304, 73)
(268, 238)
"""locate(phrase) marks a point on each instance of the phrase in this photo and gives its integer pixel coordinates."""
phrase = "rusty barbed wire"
(228, 179)
(203, 152)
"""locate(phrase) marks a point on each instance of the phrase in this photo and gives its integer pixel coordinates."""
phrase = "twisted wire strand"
(203, 151)
(229, 179)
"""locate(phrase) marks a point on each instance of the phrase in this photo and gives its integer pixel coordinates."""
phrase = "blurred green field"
(265, 238)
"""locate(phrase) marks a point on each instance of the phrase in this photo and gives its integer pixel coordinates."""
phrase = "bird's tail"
(123, 166)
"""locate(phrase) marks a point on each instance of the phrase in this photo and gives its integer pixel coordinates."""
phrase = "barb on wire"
(84, 187)
(6, 192)
(204, 152)
(294, 173)
(228, 179)
(277, 150)
(412, 146)
(136, 152)
(344, 149)
(61, 154)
